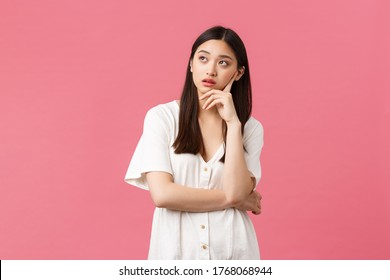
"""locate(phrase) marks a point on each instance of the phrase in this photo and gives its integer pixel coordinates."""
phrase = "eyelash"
(203, 57)
(225, 62)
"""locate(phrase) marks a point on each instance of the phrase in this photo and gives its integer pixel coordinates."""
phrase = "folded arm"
(167, 194)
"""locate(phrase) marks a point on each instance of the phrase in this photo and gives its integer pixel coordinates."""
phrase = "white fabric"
(225, 234)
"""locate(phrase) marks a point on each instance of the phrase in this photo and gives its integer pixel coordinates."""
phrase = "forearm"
(237, 182)
(167, 194)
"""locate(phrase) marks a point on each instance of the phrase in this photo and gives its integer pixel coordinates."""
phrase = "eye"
(223, 63)
(202, 58)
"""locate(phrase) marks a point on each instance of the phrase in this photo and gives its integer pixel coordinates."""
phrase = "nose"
(211, 72)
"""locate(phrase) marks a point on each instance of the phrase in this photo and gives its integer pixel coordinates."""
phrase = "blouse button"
(204, 247)
(202, 227)
(205, 169)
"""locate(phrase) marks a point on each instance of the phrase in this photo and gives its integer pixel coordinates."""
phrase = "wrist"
(228, 203)
(234, 123)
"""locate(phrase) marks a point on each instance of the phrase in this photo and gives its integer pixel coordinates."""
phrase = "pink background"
(77, 77)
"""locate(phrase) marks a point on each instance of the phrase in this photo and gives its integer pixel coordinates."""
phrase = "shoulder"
(253, 126)
(253, 137)
(164, 109)
(165, 112)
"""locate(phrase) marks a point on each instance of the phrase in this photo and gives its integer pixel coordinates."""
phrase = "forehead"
(216, 48)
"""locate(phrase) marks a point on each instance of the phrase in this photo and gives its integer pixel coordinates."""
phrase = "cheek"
(195, 76)
(227, 77)
(196, 79)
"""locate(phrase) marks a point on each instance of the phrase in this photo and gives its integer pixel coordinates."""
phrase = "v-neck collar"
(214, 157)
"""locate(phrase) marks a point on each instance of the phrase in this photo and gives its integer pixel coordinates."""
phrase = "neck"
(209, 114)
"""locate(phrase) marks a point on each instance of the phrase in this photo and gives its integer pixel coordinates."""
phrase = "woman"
(200, 158)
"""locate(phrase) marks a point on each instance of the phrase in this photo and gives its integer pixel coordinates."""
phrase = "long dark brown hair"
(189, 138)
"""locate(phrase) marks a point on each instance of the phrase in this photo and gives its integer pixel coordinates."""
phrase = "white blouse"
(221, 235)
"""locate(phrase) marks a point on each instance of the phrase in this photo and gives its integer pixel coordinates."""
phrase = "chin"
(206, 89)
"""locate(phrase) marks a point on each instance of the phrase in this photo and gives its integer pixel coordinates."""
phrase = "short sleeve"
(253, 143)
(152, 151)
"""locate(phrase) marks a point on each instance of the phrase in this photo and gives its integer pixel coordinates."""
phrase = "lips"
(209, 81)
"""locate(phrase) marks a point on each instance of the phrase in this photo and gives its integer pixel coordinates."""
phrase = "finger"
(212, 97)
(229, 85)
(257, 210)
(209, 100)
(216, 101)
(209, 93)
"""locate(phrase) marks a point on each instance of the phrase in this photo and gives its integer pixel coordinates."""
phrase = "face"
(213, 66)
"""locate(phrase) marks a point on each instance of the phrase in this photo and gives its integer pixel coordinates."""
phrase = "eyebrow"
(222, 55)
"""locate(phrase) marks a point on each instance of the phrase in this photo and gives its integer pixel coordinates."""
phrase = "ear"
(241, 72)
(191, 65)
